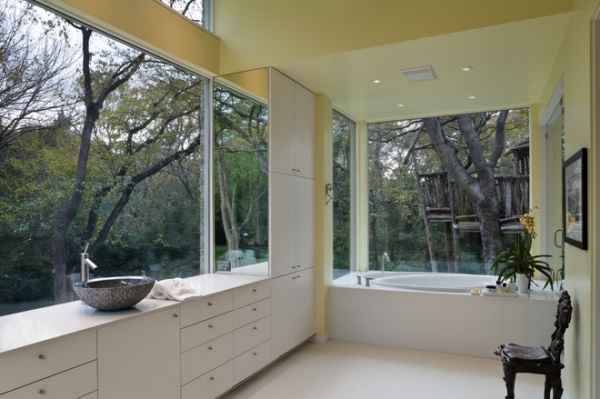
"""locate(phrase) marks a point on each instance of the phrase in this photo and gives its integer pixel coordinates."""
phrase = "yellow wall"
(323, 212)
(573, 64)
(151, 26)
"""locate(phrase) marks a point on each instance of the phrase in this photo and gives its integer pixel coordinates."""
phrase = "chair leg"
(509, 379)
(547, 386)
(553, 383)
(557, 389)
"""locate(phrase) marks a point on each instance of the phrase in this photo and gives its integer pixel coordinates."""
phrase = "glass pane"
(429, 185)
(241, 182)
(103, 146)
(195, 10)
(343, 132)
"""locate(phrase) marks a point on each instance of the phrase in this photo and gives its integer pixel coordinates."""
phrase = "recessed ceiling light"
(466, 68)
(400, 105)
(376, 81)
(472, 97)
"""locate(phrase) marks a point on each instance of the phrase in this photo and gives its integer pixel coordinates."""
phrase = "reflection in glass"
(241, 181)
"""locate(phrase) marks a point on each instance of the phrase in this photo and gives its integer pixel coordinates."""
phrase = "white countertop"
(23, 329)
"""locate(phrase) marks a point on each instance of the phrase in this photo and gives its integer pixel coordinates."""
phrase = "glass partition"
(240, 164)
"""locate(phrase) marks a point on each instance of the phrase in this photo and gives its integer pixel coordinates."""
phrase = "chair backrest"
(563, 318)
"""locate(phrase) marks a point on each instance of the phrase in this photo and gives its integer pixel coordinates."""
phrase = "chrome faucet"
(384, 258)
(85, 263)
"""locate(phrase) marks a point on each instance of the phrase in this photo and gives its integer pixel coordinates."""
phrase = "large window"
(101, 145)
(241, 181)
(343, 135)
(446, 193)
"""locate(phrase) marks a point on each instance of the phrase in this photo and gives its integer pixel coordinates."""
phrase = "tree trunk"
(480, 190)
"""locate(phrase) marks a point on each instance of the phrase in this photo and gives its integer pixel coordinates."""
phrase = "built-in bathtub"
(451, 322)
(444, 282)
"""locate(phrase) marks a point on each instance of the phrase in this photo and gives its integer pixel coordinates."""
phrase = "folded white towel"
(175, 288)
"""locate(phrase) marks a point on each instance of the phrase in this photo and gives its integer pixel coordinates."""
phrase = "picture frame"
(575, 212)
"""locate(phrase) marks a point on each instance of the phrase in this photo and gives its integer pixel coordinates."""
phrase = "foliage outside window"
(241, 179)
(196, 10)
(413, 211)
(343, 133)
(100, 143)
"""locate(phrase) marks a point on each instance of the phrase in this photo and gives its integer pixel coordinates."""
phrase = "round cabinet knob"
(176, 315)
(210, 326)
(212, 378)
(255, 328)
(210, 304)
(42, 392)
(41, 357)
(253, 289)
(210, 348)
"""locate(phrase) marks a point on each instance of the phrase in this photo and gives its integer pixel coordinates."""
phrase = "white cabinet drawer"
(199, 310)
(203, 358)
(248, 294)
(252, 312)
(251, 335)
(71, 384)
(48, 358)
(250, 362)
(211, 384)
(199, 333)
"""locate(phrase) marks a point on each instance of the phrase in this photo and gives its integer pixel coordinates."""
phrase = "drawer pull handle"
(41, 357)
(175, 315)
(253, 289)
(210, 304)
(255, 354)
(255, 328)
(42, 392)
(254, 309)
(212, 378)
(210, 348)
(210, 326)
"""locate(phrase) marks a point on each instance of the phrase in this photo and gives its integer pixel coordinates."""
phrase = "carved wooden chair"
(539, 360)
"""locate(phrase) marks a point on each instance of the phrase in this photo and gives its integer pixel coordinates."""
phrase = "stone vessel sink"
(114, 293)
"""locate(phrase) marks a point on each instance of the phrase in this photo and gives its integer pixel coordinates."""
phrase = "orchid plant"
(519, 260)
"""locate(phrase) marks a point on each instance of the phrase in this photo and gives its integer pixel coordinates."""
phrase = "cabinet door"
(304, 224)
(283, 220)
(282, 123)
(282, 315)
(305, 132)
(304, 291)
(293, 313)
(140, 358)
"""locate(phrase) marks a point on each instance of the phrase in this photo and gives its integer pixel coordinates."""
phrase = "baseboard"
(320, 339)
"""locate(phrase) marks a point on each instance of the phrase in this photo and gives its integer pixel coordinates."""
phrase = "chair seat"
(520, 353)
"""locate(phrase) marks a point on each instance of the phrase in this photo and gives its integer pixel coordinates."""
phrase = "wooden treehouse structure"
(443, 202)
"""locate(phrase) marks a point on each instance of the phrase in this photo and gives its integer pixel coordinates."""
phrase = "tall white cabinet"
(292, 192)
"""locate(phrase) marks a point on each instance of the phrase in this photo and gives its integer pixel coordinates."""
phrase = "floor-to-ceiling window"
(340, 195)
(241, 155)
(430, 182)
(102, 146)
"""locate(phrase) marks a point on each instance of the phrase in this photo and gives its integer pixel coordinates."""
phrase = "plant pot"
(522, 283)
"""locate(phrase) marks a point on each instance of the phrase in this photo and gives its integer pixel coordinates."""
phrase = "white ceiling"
(511, 62)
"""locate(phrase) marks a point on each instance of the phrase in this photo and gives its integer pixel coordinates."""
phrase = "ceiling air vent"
(418, 74)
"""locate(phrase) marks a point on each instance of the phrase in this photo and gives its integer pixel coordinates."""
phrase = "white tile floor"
(342, 370)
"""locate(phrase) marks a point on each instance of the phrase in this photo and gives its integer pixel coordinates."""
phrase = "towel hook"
(328, 193)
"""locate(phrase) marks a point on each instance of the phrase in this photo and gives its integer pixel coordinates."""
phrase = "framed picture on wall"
(575, 213)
